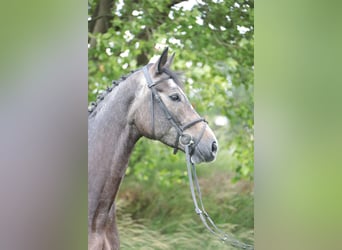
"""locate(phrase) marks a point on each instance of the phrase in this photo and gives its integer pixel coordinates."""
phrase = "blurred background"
(43, 126)
(214, 46)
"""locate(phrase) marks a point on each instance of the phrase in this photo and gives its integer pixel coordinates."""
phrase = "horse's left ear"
(162, 60)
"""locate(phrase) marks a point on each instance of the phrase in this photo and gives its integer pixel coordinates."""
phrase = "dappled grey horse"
(149, 102)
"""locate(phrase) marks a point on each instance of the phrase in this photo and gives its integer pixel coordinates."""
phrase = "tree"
(214, 45)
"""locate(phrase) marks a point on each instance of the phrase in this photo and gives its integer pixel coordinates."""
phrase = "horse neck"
(109, 129)
(110, 142)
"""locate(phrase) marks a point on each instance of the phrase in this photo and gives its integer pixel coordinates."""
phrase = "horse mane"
(176, 76)
(103, 93)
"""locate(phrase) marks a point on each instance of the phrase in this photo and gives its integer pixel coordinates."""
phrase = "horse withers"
(149, 102)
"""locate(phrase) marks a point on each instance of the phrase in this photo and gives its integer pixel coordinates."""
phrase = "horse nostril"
(214, 147)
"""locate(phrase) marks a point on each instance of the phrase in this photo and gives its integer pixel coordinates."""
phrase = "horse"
(150, 103)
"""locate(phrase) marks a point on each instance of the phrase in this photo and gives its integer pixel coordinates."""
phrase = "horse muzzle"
(204, 150)
(204, 153)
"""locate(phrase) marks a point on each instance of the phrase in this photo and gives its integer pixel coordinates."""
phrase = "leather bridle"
(189, 145)
(182, 138)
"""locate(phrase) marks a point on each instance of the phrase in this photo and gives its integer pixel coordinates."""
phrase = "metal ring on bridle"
(188, 140)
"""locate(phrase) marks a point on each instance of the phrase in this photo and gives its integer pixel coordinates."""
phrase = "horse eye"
(175, 97)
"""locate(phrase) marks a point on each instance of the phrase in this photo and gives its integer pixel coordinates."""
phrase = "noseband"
(182, 138)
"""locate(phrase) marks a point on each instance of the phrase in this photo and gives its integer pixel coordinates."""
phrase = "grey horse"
(149, 102)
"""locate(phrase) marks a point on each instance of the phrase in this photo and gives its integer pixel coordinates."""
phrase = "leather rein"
(200, 210)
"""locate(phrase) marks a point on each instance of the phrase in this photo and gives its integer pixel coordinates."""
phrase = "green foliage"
(164, 169)
(169, 218)
(214, 45)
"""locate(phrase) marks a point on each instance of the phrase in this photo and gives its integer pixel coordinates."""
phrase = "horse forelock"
(176, 76)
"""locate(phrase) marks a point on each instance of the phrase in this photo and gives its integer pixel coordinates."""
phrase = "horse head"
(162, 111)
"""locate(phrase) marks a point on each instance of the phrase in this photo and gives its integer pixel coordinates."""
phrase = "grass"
(154, 216)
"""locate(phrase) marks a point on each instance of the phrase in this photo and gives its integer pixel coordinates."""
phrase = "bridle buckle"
(186, 140)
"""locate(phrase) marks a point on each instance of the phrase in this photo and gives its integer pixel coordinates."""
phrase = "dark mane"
(92, 106)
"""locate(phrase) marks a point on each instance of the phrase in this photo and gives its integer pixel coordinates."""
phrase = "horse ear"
(162, 60)
(169, 61)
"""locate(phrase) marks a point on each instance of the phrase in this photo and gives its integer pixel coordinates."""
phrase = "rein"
(200, 211)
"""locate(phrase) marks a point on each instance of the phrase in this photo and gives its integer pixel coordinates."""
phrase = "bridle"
(189, 145)
(182, 138)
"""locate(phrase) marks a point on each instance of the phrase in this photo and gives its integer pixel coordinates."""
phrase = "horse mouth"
(201, 155)
(196, 159)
